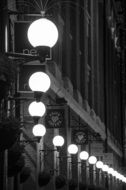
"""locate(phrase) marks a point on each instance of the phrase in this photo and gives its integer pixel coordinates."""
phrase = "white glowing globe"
(92, 160)
(110, 171)
(99, 164)
(42, 32)
(37, 109)
(72, 149)
(114, 173)
(39, 82)
(123, 179)
(105, 168)
(39, 130)
(84, 155)
(118, 175)
(58, 140)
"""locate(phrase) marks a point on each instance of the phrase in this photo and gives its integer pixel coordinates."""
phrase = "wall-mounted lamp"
(105, 168)
(42, 32)
(36, 109)
(99, 164)
(42, 35)
(92, 160)
(39, 82)
(58, 141)
(84, 155)
(114, 173)
(39, 130)
(72, 149)
(110, 171)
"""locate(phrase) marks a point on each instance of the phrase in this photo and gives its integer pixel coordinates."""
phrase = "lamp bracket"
(45, 151)
(20, 98)
(48, 150)
(28, 141)
(24, 58)
(57, 149)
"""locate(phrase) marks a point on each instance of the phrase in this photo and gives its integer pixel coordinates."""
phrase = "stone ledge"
(78, 97)
(68, 85)
(93, 114)
(86, 106)
(54, 69)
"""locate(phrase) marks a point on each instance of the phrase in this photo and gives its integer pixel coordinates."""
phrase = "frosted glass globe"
(114, 173)
(84, 155)
(117, 175)
(92, 160)
(99, 164)
(123, 179)
(42, 32)
(58, 140)
(72, 149)
(110, 171)
(36, 109)
(39, 82)
(105, 168)
(39, 130)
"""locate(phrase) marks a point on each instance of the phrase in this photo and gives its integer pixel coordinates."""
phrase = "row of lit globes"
(72, 149)
(39, 82)
(38, 109)
(43, 32)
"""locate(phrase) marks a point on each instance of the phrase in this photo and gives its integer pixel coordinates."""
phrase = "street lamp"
(105, 168)
(58, 141)
(114, 173)
(42, 33)
(39, 82)
(99, 164)
(72, 149)
(110, 171)
(39, 130)
(92, 160)
(36, 109)
(84, 155)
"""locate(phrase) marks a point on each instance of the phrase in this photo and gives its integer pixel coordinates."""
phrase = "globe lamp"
(42, 32)
(83, 155)
(72, 149)
(39, 130)
(58, 141)
(105, 168)
(92, 160)
(99, 164)
(39, 82)
(36, 109)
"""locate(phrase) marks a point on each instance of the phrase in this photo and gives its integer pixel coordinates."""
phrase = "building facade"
(86, 102)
